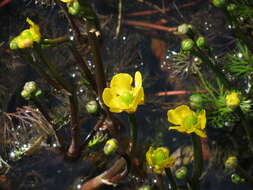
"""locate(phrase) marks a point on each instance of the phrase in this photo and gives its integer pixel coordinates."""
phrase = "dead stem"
(150, 12)
(148, 25)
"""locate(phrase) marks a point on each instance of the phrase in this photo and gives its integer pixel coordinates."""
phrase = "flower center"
(127, 98)
(159, 156)
(190, 121)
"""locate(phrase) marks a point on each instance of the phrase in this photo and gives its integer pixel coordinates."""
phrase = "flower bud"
(231, 163)
(219, 3)
(26, 94)
(13, 44)
(235, 178)
(187, 44)
(30, 86)
(91, 106)
(111, 146)
(196, 101)
(233, 100)
(231, 7)
(201, 42)
(184, 28)
(181, 173)
(73, 7)
(145, 187)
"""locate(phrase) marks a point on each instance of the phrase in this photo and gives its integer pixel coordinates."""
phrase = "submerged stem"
(133, 131)
(172, 179)
(198, 162)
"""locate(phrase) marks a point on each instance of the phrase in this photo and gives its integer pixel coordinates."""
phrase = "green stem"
(58, 136)
(172, 179)
(247, 129)
(83, 67)
(133, 131)
(214, 68)
(198, 162)
(239, 34)
(52, 69)
(99, 68)
(243, 173)
(26, 56)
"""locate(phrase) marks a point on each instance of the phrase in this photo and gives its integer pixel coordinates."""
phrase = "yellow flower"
(121, 96)
(26, 38)
(233, 99)
(67, 1)
(187, 121)
(159, 159)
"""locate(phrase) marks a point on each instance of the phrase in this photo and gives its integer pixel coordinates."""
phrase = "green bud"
(73, 7)
(91, 106)
(38, 93)
(187, 44)
(201, 42)
(13, 44)
(145, 187)
(111, 146)
(231, 163)
(196, 101)
(30, 86)
(235, 178)
(219, 3)
(184, 28)
(26, 94)
(231, 7)
(181, 173)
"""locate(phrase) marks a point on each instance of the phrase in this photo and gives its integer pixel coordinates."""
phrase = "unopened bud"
(111, 146)
(181, 173)
(201, 42)
(91, 106)
(231, 163)
(231, 7)
(30, 86)
(184, 28)
(196, 101)
(235, 178)
(187, 44)
(219, 3)
(145, 187)
(73, 8)
(26, 94)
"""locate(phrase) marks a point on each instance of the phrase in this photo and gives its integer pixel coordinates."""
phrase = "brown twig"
(148, 25)
(150, 12)
(178, 92)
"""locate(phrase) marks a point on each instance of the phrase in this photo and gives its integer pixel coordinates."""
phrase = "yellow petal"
(176, 116)
(35, 30)
(202, 119)
(137, 79)
(200, 133)
(178, 128)
(107, 96)
(66, 1)
(122, 81)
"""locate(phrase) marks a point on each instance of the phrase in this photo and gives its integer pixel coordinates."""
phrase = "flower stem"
(52, 69)
(247, 129)
(198, 162)
(243, 173)
(172, 179)
(214, 68)
(133, 131)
